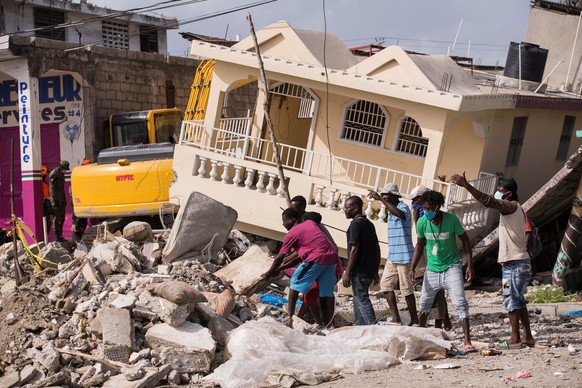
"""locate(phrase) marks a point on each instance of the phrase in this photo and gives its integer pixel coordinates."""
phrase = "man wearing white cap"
(400, 252)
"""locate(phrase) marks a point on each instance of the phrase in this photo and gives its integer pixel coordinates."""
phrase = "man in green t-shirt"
(437, 232)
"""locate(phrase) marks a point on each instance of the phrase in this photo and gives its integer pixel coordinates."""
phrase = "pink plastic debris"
(523, 374)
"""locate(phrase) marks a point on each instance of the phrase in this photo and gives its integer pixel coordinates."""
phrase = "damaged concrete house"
(347, 124)
(65, 68)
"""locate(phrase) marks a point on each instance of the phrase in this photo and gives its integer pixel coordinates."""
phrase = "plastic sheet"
(266, 351)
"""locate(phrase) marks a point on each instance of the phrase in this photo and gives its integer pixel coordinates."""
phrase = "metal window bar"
(410, 139)
(364, 122)
(344, 170)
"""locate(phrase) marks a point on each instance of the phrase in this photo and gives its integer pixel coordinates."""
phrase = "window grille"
(516, 141)
(47, 18)
(364, 122)
(115, 34)
(565, 138)
(307, 103)
(410, 138)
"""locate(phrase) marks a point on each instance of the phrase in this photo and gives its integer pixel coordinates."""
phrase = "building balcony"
(240, 170)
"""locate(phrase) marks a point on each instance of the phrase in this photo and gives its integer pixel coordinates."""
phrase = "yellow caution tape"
(35, 259)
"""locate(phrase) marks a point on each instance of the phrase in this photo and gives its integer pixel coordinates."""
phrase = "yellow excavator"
(132, 177)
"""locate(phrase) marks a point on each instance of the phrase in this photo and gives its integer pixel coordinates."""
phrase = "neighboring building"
(348, 124)
(556, 26)
(64, 68)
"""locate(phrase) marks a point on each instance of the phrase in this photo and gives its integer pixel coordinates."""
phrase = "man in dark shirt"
(363, 260)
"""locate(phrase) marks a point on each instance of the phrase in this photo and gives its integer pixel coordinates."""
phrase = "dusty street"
(556, 361)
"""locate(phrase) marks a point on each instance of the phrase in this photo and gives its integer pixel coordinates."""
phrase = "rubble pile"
(122, 314)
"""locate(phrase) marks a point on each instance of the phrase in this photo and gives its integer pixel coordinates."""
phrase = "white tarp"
(268, 352)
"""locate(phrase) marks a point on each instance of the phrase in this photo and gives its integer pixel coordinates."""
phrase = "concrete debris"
(187, 348)
(116, 315)
(206, 222)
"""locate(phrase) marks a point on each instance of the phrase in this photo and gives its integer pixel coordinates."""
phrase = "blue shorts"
(516, 277)
(307, 273)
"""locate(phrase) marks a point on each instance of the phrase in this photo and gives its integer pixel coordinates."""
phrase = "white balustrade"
(250, 177)
(319, 194)
(261, 181)
(331, 200)
(271, 186)
(237, 175)
(369, 210)
(345, 196)
(213, 169)
(224, 175)
(382, 214)
(202, 167)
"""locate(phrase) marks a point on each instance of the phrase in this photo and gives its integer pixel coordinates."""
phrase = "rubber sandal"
(507, 346)
(468, 348)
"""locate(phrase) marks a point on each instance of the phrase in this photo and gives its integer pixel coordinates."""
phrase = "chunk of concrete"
(118, 333)
(123, 301)
(49, 357)
(245, 273)
(137, 231)
(205, 221)
(151, 379)
(27, 374)
(171, 313)
(10, 379)
(188, 348)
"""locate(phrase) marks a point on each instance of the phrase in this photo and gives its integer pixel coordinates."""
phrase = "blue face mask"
(430, 215)
(498, 195)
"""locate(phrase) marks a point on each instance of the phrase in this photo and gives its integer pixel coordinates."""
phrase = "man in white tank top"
(513, 256)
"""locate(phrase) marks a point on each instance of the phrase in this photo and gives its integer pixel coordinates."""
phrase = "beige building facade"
(347, 125)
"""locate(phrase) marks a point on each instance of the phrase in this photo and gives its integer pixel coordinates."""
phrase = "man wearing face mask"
(513, 256)
(437, 232)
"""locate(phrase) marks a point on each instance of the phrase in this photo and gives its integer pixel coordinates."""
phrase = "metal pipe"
(572, 54)
(548, 76)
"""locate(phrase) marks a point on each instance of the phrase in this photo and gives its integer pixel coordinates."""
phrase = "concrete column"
(30, 154)
(433, 152)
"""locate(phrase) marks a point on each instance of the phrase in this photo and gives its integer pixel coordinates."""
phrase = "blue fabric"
(515, 278)
(308, 272)
(400, 248)
(363, 310)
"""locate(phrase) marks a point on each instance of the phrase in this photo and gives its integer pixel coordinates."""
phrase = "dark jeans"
(363, 311)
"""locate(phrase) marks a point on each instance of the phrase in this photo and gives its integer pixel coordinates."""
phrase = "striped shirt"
(400, 248)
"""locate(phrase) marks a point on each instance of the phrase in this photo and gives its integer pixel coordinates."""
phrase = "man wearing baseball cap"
(400, 252)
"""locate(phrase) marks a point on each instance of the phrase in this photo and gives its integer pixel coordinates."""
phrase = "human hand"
(412, 275)
(376, 279)
(374, 195)
(346, 282)
(460, 180)
(469, 273)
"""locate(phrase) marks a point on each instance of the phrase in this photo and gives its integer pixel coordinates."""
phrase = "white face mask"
(498, 195)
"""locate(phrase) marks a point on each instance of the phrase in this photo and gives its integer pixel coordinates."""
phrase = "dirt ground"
(555, 361)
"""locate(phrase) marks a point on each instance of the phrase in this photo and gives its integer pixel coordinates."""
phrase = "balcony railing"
(233, 139)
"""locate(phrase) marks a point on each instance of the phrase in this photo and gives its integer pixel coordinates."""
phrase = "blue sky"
(426, 26)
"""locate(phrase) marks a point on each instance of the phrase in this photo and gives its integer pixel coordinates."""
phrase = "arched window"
(365, 122)
(410, 138)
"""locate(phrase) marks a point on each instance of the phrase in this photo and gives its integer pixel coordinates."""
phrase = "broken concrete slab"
(169, 312)
(205, 221)
(151, 379)
(118, 333)
(10, 379)
(123, 301)
(188, 348)
(245, 273)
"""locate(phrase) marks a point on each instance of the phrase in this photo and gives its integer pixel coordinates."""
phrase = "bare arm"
(274, 267)
(468, 255)
(503, 206)
(391, 208)
(418, 250)
(346, 277)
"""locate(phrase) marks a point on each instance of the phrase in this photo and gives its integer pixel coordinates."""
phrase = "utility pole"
(266, 104)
